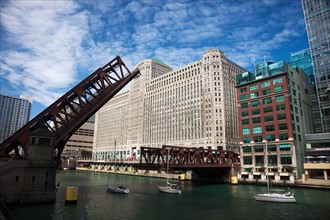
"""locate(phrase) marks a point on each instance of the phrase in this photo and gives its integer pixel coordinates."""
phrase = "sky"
(49, 46)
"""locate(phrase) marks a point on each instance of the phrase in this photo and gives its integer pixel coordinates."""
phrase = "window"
(277, 81)
(247, 160)
(259, 149)
(255, 111)
(272, 160)
(270, 137)
(280, 107)
(278, 89)
(266, 92)
(268, 109)
(246, 140)
(244, 97)
(281, 116)
(243, 89)
(246, 131)
(257, 130)
(256, 120)
(246, 149)
(283, 136)
(279, 98)
(254, 87)
(254, 95)
(244, 114)
(265, 84)
(282, 126)
(245, 122)
(244, 105)
(257, 138)
(286, 159)
(267, 101)
(259, 160)
(269, 118)
(285, 147)
(255, 103)
(269, 128)
(271, 148)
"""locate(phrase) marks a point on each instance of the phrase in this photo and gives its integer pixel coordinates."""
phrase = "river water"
(198, 201)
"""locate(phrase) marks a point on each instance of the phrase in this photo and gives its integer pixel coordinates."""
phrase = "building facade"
(14, 113)
(275, 112)
(303, 59)
(193, 106)
(317, 18)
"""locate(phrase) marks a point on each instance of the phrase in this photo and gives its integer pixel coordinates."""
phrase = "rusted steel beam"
(74, 108)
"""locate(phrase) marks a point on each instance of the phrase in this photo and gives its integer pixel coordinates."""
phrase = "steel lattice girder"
(186, 157)
(75, 107)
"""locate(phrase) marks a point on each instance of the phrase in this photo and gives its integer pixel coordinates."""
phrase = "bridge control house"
(275, 112)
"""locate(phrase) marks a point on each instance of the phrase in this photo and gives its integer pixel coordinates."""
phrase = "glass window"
(259, 149)
(270, 137)
(247, 160)
(256, 120)
(257, 138)
(277, 81)
(245, 122)
(246, 149)
(265, 84)
(244, 97)
(280, 107)
(254, 95)
(271, 148)
(269, 118)
(255, 111)
(283, 136)
(244, 105)
(255, 103)
(269, 128)
(278, 89)
(266, 92)
(281, 116)
(268, 109)
(283, 126)
(244, 114)
(243, 89)
(254, 87)
(246, 140)
(279, 98)
(257, 130)
(285, 147)
(272, 160)
(259, 160)
(286, 159)
(246, 131)
(267, 101)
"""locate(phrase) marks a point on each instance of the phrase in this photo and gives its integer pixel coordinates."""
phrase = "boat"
(117, 188)
(285, 197)
(170, 188)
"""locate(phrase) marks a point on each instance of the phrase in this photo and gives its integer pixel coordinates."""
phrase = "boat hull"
(166, 189)
(117, 189)
(275, 197)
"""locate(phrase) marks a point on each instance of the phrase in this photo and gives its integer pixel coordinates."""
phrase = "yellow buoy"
(71, 194)
(234, 180)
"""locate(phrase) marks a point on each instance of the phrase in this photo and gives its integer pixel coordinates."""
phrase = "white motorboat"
(122, 189)
(273, 197)
(170, 188)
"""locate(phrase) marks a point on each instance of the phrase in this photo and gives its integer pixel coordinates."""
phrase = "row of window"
(269, 137)
(254, 95)
(285, 159)
(264, 101)
(258, 129)
(258, 120)
(267, 109)
(270, 148)
(263, 85)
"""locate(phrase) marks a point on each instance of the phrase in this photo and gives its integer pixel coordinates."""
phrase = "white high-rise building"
(193, 106)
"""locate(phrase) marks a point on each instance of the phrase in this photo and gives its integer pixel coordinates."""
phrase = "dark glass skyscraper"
(14, 113)
(317, 18)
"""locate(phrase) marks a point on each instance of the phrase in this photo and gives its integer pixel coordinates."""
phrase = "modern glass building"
(14, 113)
(317, 18)
(303, 59)
(274, 113)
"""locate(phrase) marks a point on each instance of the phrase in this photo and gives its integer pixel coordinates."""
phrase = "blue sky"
(47, 47)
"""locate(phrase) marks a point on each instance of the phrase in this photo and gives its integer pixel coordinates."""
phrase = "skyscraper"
(303, 59)
(317, 18)
(14, 113)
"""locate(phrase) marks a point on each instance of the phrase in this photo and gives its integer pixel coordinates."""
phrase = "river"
(200, 201)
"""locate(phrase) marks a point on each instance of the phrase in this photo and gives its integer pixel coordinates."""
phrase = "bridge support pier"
(31, 180)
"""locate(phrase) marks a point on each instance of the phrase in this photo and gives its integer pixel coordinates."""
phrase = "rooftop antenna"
(266, 69)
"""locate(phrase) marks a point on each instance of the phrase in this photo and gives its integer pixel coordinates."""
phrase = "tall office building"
(274, 111)
(317, 18)
(303, 59)
(193, 106)
(14, 113)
